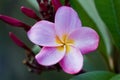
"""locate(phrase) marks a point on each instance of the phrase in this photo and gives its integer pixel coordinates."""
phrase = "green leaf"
(89, 7)
(109, 11)
(89, 17)
(34, 4)
(94, 61)
(96, 75)
(117, 77)
(62, 1)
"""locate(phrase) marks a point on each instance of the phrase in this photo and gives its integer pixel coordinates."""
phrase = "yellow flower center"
(65, 43)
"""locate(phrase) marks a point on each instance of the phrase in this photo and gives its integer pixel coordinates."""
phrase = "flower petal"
(72, 62)
(43, 33)
(66, 20)
(50, 55)
(85, 38)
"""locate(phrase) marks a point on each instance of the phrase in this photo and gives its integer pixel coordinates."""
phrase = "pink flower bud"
(14, 22)
(19, 43)
(56, 4)
(16, 40)
(43, 7)
(30, 13)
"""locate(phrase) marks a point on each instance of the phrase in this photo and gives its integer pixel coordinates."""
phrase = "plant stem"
(116, 56)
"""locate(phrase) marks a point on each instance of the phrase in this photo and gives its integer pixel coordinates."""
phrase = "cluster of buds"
(47, 12)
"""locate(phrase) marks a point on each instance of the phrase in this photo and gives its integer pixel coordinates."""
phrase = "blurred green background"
(11, 56)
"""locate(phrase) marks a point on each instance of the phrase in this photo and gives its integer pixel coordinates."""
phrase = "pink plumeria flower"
(64, 41)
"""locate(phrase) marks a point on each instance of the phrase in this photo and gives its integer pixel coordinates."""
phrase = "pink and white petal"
(50, 55)
(72, 62)
(43, 33)
(66, 20)
(85, 38)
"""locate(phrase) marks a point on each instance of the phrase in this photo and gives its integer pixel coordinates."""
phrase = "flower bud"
(30, 13)
(56, 4)
(19, 43)
(14, 22)
(43, 7)
(16, 40)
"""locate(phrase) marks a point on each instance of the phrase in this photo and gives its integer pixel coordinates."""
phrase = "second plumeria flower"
(64, 41)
